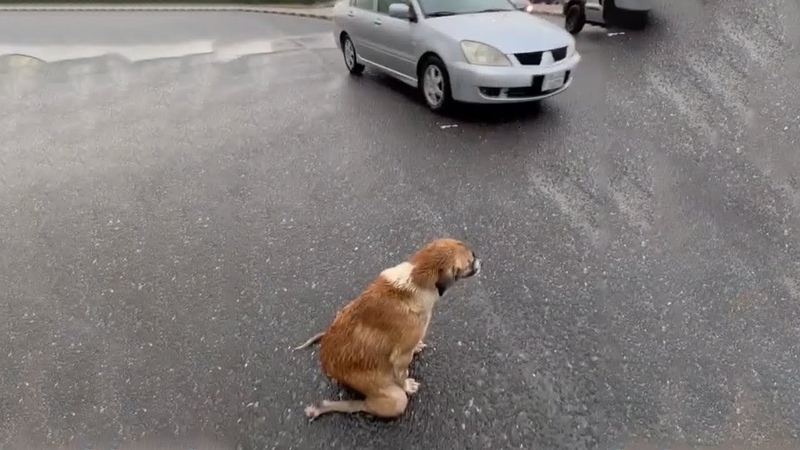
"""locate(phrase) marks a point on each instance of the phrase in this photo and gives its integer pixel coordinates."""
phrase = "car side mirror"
(401, 11)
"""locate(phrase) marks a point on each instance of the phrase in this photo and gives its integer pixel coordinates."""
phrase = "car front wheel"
(350, 59)
(575, 18)
(434, 84)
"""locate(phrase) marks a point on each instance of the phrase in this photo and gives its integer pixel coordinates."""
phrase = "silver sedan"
(474, 51)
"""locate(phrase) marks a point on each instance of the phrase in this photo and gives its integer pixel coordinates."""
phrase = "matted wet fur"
(372, 340)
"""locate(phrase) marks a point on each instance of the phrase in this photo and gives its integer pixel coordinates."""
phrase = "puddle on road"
(316, 41)
(230, 52)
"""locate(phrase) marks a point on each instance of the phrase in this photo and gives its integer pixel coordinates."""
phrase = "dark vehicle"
(631, 14)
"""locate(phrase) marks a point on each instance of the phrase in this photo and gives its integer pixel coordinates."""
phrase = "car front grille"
(535, 58)
(534, 90)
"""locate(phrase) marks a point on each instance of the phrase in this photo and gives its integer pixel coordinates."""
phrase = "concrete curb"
(298, 14)
(27, 8)
(297, 11)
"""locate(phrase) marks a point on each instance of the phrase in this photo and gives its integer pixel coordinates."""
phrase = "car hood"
(509, 31)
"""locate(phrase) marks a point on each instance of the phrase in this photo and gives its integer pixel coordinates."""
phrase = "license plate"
(552, 81)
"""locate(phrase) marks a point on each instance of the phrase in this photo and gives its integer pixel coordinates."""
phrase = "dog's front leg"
(421, 344)
(401, 363)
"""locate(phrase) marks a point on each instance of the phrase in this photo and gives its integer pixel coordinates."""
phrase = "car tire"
(574, 18)
(350, 57)
(434, 84)
(634, 20)
(615, 17)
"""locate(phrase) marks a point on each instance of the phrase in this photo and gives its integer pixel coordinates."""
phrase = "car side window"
(383, 5)
(369, 5)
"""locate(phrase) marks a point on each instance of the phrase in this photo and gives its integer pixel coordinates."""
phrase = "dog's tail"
(314, 339)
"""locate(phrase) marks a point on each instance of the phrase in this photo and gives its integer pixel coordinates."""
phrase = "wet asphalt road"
(171, 228)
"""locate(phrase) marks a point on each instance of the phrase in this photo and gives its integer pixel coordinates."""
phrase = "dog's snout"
(476, 266)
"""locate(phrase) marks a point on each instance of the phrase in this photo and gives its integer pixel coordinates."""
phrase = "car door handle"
(351, 13)
(378, 21)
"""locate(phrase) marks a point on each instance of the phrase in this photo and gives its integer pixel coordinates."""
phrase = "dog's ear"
(445, 280)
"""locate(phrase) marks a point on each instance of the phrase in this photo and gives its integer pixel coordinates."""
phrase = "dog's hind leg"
(388, 403)
(328, 406)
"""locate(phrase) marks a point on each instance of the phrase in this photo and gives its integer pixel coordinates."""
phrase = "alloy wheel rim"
(349, 54)
(433, 85)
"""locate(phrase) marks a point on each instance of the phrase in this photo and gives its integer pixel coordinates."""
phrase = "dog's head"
(443, 262)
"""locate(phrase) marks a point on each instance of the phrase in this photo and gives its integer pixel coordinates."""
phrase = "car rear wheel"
(434, 84)
(634, 20)
(575, 18)
(350, 58)
(615, 17)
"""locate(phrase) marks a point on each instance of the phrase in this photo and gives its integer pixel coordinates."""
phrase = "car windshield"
(452, 7)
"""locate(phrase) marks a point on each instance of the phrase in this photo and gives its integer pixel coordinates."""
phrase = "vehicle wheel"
(615, 17)
(634, 20)
(575, 18)
(434, 84)
(350, 59)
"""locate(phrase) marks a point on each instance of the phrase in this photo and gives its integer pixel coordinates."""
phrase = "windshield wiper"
(493, 10)
(441, 14)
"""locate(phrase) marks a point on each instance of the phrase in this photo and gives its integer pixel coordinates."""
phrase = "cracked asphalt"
(171, 225)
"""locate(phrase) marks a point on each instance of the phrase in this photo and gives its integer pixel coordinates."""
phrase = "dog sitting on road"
(370, 343)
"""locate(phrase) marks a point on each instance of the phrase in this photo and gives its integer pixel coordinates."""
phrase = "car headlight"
(481, 54)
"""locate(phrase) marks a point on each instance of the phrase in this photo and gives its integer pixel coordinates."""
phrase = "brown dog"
(372, 340)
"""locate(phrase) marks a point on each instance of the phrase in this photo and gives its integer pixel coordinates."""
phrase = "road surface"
(173, 223)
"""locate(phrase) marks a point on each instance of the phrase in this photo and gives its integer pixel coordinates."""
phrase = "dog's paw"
(411, 386)
(420, 345)
(312, 412)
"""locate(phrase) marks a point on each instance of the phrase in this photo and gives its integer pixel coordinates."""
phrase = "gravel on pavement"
(178, 213)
